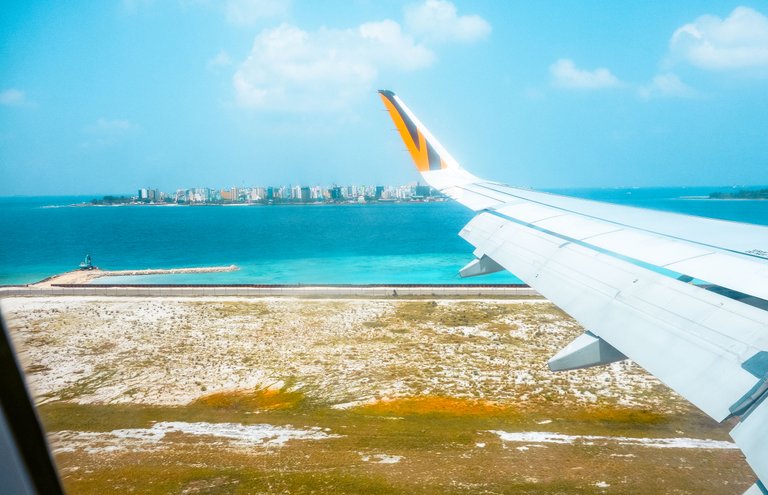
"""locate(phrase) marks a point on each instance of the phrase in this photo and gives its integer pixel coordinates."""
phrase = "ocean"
(314, 244)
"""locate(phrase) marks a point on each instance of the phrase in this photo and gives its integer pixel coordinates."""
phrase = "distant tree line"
(112, 200)
(741, 194)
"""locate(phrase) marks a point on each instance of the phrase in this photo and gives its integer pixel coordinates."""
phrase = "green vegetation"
(86, 385)
(225, 309)
(741, 194)
(458, 314)
(112, 200)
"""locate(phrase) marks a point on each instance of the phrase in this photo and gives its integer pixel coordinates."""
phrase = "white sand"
(226, 434)
(540, 437)
(381, 458)
(171, 351)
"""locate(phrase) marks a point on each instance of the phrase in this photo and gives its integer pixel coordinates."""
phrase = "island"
(741, 194)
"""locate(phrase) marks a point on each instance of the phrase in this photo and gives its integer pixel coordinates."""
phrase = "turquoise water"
(373, 243)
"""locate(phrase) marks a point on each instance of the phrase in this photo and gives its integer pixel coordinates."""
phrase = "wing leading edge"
(685, 297)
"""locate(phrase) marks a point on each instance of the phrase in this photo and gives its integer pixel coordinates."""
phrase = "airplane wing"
(685, 297)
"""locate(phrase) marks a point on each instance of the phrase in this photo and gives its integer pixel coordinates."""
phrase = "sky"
(108, 97)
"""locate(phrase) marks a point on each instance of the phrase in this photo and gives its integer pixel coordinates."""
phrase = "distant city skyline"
(279, 193)
(549, 94)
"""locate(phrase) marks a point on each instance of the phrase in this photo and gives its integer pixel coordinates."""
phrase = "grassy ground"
(443, 445)
(410, 392)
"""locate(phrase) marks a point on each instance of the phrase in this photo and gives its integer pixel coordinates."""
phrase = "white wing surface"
(685, 297)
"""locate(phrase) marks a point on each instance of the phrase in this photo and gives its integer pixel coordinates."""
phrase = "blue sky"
(107, 97)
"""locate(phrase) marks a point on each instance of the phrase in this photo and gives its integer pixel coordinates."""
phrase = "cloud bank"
(739, 41)
(249, 12)
(438, 20)
(565, 74)
(666, 85)
(222, 59)
(292, 69)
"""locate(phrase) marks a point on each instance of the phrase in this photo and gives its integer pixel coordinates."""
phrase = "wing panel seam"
(734, 295)
(623, 224)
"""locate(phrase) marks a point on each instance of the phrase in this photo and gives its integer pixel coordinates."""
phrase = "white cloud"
(292, 69)
(296, 70)
(222, 59)
(565, 74)
(249, 12)
(13, 98)
(438, 21)
(666, 85)
(739, 41)
(110, 126)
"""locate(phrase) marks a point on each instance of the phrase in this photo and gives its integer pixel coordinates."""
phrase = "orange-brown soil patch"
(258, 399)
(450, 406)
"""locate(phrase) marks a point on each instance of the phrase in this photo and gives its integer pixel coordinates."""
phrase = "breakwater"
(80, 277)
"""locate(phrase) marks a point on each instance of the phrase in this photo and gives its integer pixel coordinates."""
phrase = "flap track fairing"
(585, 351)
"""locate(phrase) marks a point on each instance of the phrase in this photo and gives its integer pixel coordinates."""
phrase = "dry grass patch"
(252, 400)
(451, 315)
(440, 405)
(227, 309)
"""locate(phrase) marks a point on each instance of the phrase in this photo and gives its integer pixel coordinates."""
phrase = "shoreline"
(340, 203)
(81, 283)
(85, 283)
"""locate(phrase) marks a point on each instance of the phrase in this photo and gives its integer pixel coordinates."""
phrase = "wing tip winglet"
(413, 134)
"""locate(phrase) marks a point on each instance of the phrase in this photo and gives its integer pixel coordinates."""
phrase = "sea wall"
(275, 290)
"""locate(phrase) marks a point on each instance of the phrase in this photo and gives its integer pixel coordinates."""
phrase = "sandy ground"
(86, 276)
(341, 352)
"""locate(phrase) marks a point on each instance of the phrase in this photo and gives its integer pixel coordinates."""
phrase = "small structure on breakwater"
(87, 264)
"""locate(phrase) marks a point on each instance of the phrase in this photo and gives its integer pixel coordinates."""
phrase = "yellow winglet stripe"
(421, 151)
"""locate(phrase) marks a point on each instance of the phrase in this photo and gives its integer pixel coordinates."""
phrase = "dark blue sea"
(355, 244)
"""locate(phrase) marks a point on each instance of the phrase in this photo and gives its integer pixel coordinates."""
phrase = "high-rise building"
(258, 193)
(422, 191)
(296, 193)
